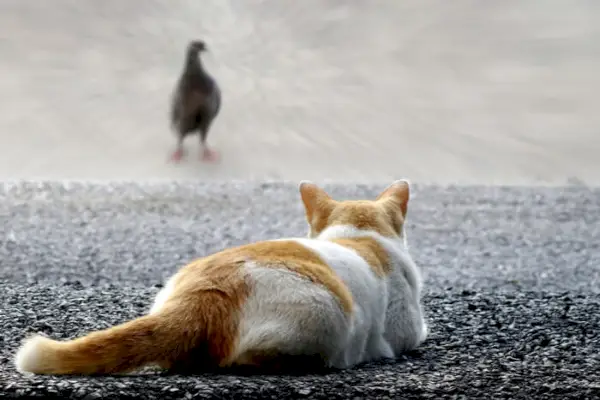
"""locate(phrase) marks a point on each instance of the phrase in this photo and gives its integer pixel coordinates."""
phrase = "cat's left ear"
(314, 198)
(397, 196)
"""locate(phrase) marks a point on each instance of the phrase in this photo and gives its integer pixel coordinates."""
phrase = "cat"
(346, 294)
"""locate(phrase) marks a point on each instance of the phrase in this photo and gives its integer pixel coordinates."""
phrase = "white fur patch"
(288, 313)
(163, 295)
(29, 356)
(370, 295)
(405, 326)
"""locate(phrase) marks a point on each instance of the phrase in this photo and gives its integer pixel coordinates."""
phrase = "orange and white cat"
(347, 294)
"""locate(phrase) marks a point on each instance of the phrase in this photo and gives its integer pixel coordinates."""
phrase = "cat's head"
(385, 214)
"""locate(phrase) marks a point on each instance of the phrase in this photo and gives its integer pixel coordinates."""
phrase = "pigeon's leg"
(208, 154)
(178, 153)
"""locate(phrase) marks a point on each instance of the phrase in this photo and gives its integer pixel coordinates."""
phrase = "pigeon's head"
(197, 46)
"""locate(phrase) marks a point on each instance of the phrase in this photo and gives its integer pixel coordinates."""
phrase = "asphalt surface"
(511, 290)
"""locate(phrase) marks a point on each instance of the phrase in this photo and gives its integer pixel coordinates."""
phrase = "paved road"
(512, 284)
(441, 91)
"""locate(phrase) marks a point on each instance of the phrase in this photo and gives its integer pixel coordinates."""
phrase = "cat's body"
(348, 294)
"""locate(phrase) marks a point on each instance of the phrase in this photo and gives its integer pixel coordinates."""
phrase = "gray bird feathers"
(196, 101)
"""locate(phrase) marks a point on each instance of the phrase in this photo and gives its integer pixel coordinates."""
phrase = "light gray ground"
(440, 91)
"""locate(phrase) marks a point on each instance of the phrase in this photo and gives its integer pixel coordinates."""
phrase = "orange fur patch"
(318, 206)
(384, 215)
(365, 215)
(197, 327)
(212, 291)
(371, 251)
(214, 287)
(295, 257)
(221, 272)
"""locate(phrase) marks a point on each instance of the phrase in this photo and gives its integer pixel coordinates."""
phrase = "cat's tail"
(162, 339)
(118, 349)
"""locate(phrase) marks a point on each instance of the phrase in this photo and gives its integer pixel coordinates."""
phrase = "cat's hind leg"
(287, 315)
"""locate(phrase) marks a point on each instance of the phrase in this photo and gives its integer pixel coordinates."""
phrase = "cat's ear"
(396, 196)
(315, 199)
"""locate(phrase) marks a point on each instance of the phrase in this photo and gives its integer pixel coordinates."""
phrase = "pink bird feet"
(210, 155)
(207, 155)
(177, 155)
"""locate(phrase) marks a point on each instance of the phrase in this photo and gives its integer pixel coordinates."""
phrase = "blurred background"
(491, 92)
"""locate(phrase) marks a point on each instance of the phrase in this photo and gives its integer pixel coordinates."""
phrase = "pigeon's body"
(196, 102)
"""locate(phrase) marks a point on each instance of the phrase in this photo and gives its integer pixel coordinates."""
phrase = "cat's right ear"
(396, 196)
(314, 198)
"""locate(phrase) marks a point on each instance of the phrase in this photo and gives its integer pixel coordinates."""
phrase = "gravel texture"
(512, 284)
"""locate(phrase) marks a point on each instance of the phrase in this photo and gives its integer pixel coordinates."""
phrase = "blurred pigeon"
(196, 102)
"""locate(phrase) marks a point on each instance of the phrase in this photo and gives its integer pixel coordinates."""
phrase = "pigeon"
(196, 102)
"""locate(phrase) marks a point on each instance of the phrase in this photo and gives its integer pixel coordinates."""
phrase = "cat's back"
(362, 268)
(335, 266)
